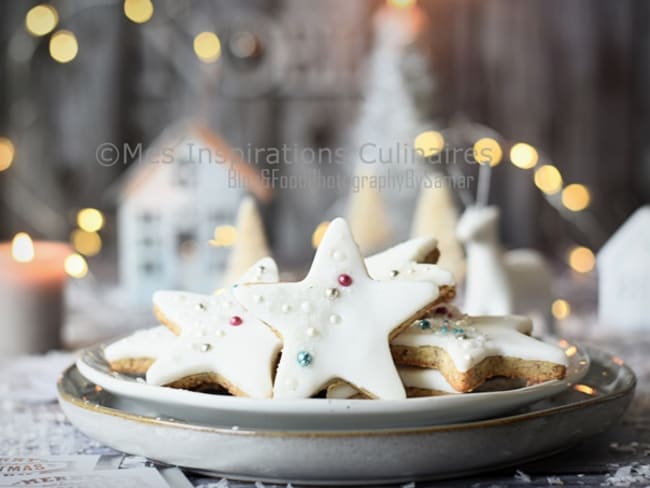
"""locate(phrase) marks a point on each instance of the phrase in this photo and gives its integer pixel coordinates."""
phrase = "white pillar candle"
(32, 277)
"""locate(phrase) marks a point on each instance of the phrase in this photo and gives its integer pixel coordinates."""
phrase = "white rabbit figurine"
(498, 282)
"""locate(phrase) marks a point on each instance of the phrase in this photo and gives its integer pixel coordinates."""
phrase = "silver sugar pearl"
(332, 293)
(205, 347)
(394, 273)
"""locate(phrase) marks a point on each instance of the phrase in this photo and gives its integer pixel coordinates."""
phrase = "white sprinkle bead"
(286, 308)
(306, 307)
(335, 319)
(220, 333)
(338, 255)
(258, 298)
(312, 332)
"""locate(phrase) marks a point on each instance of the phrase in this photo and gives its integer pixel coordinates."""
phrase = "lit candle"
(399, 22)
(32, 277)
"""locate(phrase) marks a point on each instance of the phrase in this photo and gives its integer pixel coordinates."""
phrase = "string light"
(22, 248)
(548, 179)
(587, 390)
(576, 197)
(428, 143)
(318, 234)
(224, 236)
(207, 47)
(86, 243)
(138, 11)
(488, 151)
(41, 20)
(581, 259)
(63, 46)
(560, 309)
(90, 219)
(7, 153)
(75, 265)
(523, 155)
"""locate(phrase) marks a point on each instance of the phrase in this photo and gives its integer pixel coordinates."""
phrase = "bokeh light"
(63, 46)
(560, 309)
(22, 248)
(138, 11)
(401, 3)
(41, 19)
(207, 47)
(548, 179)
(523, 155)
(429, 143)
(75, 265)
(488, 151)
(576, 197)
(86, 243)
(7, 153)
(581, 259)
(224, 236)
(90, 219)
(318, 234)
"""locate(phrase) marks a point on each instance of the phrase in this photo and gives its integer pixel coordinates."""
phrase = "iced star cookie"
(469, 350)
(417, 381)
(217, 342)
(136, 353)
(413, 260)
(336, 323)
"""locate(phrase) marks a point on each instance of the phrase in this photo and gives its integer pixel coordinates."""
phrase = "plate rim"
(349, 433)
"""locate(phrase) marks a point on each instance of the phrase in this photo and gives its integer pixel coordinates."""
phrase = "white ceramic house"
(169, 206)
(624, 274)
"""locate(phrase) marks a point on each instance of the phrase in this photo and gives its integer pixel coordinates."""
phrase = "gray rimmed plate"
(354, 456)
(328, 414)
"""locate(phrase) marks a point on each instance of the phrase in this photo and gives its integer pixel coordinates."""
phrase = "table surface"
(32, 424)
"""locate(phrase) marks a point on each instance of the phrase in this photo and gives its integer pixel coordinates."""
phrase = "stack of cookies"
(379, 328)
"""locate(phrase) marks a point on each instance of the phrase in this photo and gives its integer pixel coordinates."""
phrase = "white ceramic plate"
(318, 413)
(354, 456)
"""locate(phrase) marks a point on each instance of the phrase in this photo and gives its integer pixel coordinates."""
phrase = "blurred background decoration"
(550, 98)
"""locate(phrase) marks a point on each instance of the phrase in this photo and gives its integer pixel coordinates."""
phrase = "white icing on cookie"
(402, 263)
(336, 322)
(427, 379)
(147, 343)
(218, 335)
(469, 340)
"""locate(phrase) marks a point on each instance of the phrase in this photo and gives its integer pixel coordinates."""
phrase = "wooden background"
(571, 78)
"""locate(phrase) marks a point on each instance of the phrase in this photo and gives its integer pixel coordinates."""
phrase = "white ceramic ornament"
(624, 274)
(336, 323)
(217, 335)
(404, 262)
(498, 282)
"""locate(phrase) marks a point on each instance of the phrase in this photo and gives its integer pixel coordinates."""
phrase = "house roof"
(633, 235)
(175, 136)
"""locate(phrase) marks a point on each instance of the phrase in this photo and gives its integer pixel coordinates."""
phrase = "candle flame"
(22, 248)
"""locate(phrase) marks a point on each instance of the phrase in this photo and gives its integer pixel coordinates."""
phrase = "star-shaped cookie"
(336, 323)
(412, 260)
(219, 342)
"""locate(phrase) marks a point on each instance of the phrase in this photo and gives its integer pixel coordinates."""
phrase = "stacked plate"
(334, 441)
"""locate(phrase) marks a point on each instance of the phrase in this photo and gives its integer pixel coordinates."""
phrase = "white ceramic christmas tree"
(398, 81)
(250, 242)
(437, 216)
(368, 219)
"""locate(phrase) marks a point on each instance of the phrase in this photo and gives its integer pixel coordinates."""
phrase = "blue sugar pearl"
(459, 330)
(445, 322)
(444, 329)
(424, 324)
(304, 358)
